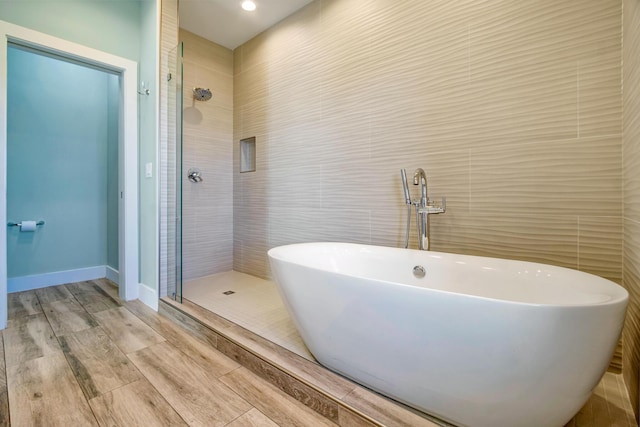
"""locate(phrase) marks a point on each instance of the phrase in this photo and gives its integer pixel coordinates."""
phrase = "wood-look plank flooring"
(75, 355)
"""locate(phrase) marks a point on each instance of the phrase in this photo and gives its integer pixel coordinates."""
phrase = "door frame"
(127, 146)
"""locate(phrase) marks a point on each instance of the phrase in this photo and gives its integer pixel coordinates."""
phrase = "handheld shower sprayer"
(405, 186)
(407, 200)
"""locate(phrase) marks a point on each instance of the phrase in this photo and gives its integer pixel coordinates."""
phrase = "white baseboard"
(113, 275)
(148, 296)
(36, 281)
(26, 283)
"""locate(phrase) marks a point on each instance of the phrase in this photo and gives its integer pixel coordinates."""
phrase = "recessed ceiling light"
(249, 5)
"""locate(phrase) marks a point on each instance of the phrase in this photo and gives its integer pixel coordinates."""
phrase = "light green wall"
(126, 28)
(106, 25)
(58, 137)
(148, 208)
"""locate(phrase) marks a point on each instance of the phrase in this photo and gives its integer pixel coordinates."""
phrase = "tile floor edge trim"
(185, 311)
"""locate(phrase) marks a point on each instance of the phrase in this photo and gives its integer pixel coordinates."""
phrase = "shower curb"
(269, 361)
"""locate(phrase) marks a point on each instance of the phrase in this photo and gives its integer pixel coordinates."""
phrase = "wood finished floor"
(74, 355)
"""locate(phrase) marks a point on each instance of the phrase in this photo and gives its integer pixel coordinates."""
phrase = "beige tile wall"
(512, 108)
(207, 207)
(631, 150)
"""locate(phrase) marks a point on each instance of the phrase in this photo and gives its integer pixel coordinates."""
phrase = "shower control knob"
(194, 175)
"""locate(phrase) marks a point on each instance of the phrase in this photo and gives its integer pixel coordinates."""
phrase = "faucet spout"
(420, 178)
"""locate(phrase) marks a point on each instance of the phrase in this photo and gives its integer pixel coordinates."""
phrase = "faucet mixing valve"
(424, 207)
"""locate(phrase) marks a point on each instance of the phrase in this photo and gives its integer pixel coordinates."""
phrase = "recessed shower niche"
(248, 155)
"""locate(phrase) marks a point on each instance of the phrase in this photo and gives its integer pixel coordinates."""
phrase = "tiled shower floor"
(256, 305)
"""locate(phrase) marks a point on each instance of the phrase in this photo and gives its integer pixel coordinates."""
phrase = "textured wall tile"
(432, 33)
(483, 96)
(252, 257)
(388, 226)
(251, 85)
(250, 230)
(537, 101)
(288, 225)
(297, 33)
(253, 120)
(250, 207)
(347, 178)
(409, 104)
(632, 109)
(600, 246)
(631, 332)
(632, 171)
(507, 36)
(221, 86)
(295, 96)
(345, 51)
(600, 95)
(294, 175)
(206, 54)
(237, 60)
(201, 260)
(253, 53)
(207, 207)
(294, 102)
(545, 239)
(532, 106)
(352, 16)
(631, 138)
(522, 47)
(570, 177)
(447, 173)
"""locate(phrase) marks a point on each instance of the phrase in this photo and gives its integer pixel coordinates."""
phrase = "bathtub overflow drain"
(419, 272)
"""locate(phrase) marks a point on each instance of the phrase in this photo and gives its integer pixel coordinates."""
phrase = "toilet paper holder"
(19, 224)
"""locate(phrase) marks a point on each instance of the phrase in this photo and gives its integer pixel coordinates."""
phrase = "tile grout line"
(63, 353)
(153, 387)
(111, 341)
(189, 357)
(180, 350)
(129, 359)
(65, 356)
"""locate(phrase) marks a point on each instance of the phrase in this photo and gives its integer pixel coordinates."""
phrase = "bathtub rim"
(622, 298)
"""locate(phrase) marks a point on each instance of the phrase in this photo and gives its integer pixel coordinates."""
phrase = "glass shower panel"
(174, 174)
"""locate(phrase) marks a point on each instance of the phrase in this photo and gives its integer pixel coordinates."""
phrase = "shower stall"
(203, 163)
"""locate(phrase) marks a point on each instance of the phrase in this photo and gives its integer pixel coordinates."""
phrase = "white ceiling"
(226, 23)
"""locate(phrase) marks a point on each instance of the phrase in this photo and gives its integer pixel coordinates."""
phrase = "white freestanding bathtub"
(476, 341)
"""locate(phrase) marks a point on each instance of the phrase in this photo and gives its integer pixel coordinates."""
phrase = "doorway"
(62, 171)
(127, 188)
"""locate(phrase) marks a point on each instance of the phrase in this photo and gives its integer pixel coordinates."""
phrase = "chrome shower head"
(201, 94)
